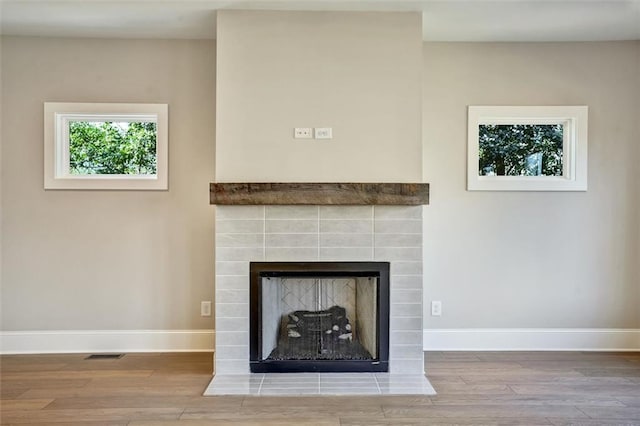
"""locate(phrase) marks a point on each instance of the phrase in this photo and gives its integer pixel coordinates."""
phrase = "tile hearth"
(292, 384)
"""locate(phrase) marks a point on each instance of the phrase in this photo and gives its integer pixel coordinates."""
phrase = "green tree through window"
(520, 150)
(125, 148)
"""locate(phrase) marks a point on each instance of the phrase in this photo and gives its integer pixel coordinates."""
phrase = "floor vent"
(105, 356)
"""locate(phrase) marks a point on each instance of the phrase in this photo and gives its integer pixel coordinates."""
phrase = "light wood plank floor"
(474, 388)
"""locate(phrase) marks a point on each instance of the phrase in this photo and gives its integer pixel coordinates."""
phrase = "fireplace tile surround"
(318, 233)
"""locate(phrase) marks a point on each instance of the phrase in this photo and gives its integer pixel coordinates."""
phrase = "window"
(539, 148)
(105, 146)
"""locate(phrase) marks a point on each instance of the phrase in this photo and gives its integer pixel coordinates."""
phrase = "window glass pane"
(109, 147)
(520, 150)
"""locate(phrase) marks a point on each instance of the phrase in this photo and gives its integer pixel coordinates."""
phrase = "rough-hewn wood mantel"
(408, 194)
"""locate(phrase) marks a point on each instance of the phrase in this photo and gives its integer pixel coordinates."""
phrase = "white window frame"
(58, 115)
(574, 147)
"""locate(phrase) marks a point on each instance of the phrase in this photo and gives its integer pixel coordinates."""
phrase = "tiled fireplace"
(318, 233)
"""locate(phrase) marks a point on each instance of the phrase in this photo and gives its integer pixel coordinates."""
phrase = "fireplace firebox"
(319, 317)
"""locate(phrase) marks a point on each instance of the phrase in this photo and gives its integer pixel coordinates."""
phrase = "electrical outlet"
(205, 308)
(302, 133)
(323, 132)
(436, 308)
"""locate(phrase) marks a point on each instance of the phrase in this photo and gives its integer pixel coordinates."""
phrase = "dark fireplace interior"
(319, 317)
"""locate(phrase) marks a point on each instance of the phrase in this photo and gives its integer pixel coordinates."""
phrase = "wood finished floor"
(474, 388)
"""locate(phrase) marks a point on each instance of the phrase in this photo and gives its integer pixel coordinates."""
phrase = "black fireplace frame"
(259, 270)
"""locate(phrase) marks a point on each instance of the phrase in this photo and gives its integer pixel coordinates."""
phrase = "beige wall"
(534, 259)
(1, 179)
(106, 259)
(359, 73)
(142, 260)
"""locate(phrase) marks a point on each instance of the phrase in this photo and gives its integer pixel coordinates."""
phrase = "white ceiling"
(443, 20)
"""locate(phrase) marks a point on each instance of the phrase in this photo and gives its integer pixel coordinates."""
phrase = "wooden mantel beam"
(407, 194)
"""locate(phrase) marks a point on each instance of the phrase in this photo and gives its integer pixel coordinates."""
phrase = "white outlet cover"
(436, 308)
(205, 309)
(302, 133)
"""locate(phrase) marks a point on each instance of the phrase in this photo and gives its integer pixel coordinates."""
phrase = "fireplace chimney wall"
(359, 73)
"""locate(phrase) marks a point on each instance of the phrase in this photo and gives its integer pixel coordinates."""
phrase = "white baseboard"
(532, 339)
(481, 339)
(103, 341)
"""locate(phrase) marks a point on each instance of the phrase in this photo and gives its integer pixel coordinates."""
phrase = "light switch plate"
(323, 133)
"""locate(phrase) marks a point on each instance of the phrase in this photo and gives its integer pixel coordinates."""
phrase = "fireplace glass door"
(319, 316)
